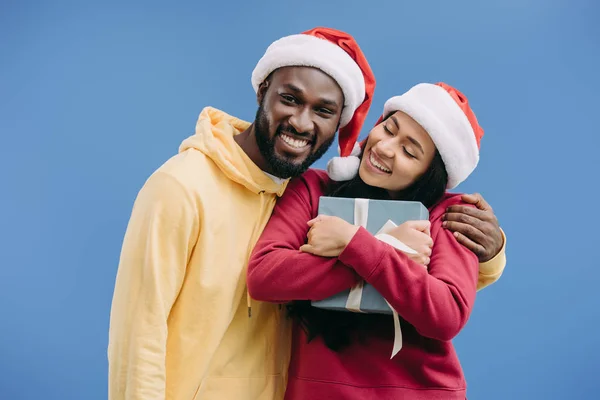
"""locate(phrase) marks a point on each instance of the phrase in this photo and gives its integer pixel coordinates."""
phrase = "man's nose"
(301, 121)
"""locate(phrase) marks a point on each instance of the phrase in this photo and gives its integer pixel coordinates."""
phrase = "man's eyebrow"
(293, 88)
(329, 102)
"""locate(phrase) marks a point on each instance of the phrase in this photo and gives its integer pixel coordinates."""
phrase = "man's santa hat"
(445, 114)
(338, 55)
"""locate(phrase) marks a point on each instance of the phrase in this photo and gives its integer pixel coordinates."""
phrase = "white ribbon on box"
(361, 216)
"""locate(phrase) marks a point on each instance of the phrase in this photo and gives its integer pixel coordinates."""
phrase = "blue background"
(95, 95)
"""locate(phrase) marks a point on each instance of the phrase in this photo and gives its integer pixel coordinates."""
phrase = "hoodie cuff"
(363, 254)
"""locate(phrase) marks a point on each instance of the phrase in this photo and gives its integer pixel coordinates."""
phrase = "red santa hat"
(337, 54)
(445, 114)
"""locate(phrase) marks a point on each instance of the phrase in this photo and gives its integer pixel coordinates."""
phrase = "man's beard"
(280, 166)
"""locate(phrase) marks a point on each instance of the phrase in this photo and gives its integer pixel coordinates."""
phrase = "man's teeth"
(378, 165)
(296, 143)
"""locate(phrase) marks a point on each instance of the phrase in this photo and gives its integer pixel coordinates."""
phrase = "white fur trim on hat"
(342, 169)
(448, 126)
(310, 51)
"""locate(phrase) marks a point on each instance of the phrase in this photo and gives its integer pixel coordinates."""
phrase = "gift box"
(377, 217)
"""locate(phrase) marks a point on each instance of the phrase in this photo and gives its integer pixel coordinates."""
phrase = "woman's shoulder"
(306, 189)
(317, 175)
(313, 180)
(449, 199)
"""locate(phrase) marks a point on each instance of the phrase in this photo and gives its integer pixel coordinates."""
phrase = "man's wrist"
(490, 266)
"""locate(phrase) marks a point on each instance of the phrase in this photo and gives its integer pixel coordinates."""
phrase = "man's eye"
(288, 98)
(324, 111)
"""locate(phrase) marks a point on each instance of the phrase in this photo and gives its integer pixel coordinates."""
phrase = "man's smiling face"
(299, 113)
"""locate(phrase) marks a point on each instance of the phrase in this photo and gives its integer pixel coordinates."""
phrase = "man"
(181, 324)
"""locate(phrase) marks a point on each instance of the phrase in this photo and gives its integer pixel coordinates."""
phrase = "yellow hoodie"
(179, 325)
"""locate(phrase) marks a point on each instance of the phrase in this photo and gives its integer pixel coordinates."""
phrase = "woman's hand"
(328, 236)
(417, 236)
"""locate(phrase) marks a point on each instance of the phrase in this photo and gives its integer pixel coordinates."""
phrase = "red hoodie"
(434, 304)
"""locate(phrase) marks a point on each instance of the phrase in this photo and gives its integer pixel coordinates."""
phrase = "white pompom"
(342, 169)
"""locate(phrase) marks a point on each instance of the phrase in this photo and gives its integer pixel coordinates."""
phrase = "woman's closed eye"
(408, 153)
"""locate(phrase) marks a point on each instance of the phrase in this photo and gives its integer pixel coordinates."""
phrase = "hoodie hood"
(215, 132)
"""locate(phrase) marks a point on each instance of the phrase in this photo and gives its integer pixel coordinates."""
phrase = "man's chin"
(291, 162)
(287, 166)
(286, 170)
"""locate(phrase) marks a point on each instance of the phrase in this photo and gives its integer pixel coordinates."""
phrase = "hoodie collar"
(215, 132)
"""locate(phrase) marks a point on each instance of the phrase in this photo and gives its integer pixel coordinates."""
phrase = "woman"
(426, 142)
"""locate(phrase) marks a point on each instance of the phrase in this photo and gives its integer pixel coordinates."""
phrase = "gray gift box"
(376, 216)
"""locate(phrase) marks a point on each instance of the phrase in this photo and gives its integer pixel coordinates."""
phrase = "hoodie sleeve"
(490, 271)
(157, 245)
(437, 301)
(278, 271)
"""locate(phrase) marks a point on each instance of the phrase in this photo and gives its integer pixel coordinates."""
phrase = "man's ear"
(262, 91)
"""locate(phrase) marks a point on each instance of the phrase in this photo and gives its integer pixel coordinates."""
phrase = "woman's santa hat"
(338, 55)
(445, 114)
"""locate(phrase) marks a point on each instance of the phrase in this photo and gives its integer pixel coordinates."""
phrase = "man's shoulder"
(189, 168)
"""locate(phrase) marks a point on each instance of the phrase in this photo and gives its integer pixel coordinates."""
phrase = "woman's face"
(397, 153)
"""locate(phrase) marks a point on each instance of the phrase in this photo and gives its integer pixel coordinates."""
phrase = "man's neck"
(247, 141)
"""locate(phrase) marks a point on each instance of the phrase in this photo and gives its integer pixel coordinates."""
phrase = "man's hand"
(328, 236)
(475, 228)
(417, 236)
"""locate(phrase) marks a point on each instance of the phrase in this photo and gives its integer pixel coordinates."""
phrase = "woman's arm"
(277, 270)
(437, 301)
